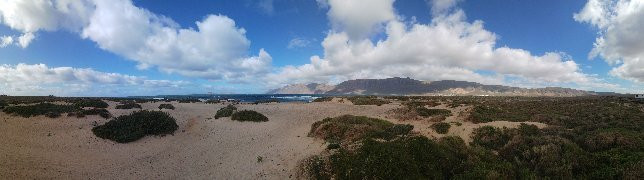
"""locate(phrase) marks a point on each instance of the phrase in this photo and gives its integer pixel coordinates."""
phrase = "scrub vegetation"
(132, 127)
(586, 138)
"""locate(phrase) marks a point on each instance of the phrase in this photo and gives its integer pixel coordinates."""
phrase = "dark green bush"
(441, 127)
(491, 137)
(412, 158)
(225, 111)
(129, 105)
(349, 128)
(424, 112)
(367, 100)
(323, 99)
(248, 115)
(95, 103)
(128, 128)
(96, 111)
(333, 146)
(3, 104)
(189, 101)
(48, 109)
(166, 106)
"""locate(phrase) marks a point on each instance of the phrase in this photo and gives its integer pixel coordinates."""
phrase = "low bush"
(3, 104)
(323, 99)
(128, 105)
(47, 109)
(96, 111)
(348, 128)
(128, 128)
(367, 100)
(95, 103)
(491, 137)
(189, 100)
(424, 112)
(482, 114)
(166, 106)
(441, 127)
(414, 157)
(248, 115)
(225, 111)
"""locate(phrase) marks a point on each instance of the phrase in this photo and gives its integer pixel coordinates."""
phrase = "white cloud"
(217, 49)
(5, 41)
(442, 6)
(25, 39)
(359, 18)
(41, 79)
(620, 41)
(298, 43)
(447, 48)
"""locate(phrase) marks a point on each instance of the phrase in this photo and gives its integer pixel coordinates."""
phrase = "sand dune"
(202, 147)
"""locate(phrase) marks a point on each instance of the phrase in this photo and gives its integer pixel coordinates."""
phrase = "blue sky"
(274, 42)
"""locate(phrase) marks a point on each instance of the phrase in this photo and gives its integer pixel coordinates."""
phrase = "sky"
(155, 47)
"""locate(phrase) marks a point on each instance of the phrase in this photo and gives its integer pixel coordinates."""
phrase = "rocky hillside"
(407, 86)
(313, 88)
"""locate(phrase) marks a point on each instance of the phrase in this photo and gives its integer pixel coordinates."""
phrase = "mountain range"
(408, 86)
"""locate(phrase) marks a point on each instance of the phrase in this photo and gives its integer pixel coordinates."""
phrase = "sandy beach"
(202, 147)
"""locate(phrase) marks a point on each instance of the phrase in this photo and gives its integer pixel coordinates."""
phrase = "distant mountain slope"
(407, 86)
(313, 88)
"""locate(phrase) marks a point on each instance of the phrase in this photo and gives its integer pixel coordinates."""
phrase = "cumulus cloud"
(5, 41)
(442, 6)
(33, 78)
(447, 48)
(620, 40)
(25, 39)
(359, 18)
(216, 49)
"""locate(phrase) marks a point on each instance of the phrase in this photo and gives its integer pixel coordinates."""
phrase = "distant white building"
(639, 96)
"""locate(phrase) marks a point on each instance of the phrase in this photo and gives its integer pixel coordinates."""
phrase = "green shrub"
(333, 146)
(166, 106)
(189, 101)
(128, 105)
(441, 127)
(3, 104)
(424, 112)
(368, 100)
(481, 114)
(95, 103)
(48, 109)
(248, 115)
(491, 137)
(349, 128)
(96, 111)
(225, 111)
(323, 99)
(414, 157)
(128, 128)
(528, 130)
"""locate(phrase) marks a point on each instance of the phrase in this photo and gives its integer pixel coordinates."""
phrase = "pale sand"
(202, 148)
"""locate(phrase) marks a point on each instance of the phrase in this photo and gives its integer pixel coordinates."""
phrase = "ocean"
(242, 97)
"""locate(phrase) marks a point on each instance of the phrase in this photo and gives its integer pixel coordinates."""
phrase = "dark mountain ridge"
(408, 86)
